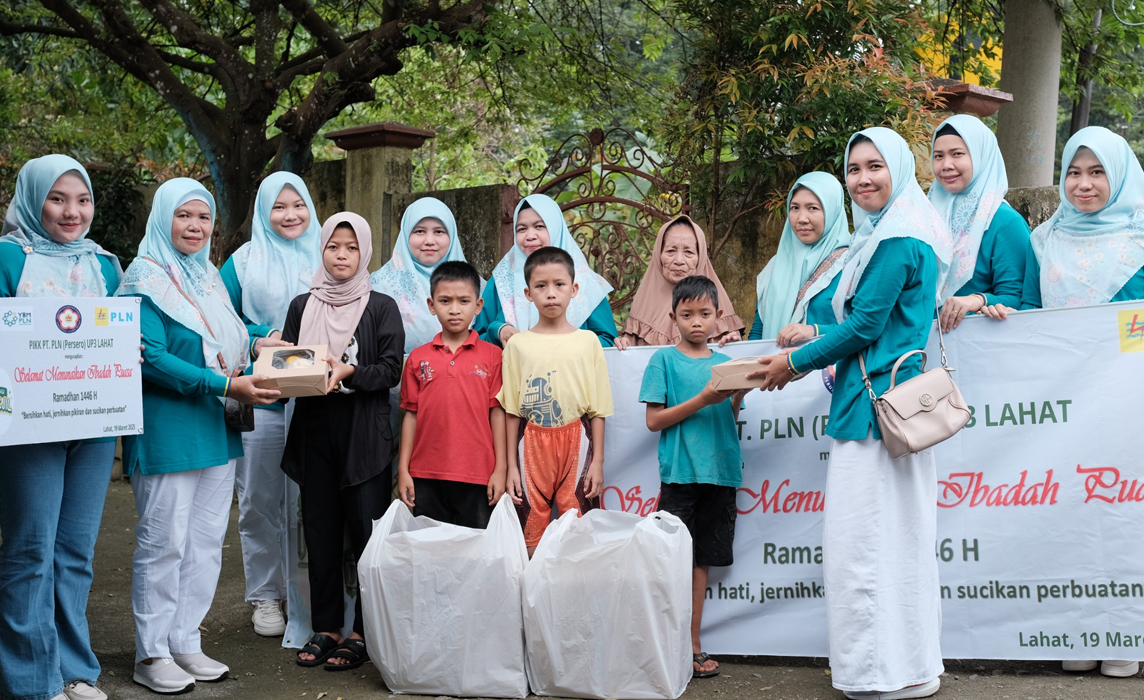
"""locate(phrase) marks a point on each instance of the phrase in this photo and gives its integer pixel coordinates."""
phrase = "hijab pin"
(28, 250)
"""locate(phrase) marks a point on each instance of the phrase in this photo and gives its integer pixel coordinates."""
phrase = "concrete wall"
(1036, 204)
(327, 184)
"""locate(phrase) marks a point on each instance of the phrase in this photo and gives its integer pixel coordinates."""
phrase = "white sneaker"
(1120, 669)
(1078, 666)
(268, 620)
(923, 690)
(163, 676)
(202, 667)
(82, 690)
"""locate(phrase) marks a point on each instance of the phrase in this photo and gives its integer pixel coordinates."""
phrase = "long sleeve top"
(890, 314)
(381, 349)
(491, 319)
(819, 312)
(1000, 272)
(180, 400)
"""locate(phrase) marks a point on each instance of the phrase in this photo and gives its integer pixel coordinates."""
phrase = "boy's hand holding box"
(300, 370)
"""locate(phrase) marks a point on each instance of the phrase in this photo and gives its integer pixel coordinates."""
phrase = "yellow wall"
(935, 56)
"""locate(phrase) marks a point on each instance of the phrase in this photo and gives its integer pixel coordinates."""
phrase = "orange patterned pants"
(554, 462)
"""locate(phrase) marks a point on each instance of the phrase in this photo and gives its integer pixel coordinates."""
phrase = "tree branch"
(9, 28)
(326, 36)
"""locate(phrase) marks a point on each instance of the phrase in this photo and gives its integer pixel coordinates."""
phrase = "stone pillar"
(1031, 72)
(379, 165)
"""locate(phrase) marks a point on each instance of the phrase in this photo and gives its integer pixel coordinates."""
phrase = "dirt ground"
(261, 669)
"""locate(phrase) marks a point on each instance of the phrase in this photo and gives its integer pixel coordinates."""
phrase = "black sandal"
(320, 646)
(352, 650)
(700, 659)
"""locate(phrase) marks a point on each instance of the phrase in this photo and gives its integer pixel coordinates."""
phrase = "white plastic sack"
(607, 607)
(441, 604)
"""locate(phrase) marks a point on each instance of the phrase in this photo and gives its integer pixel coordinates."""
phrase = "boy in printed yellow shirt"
(555, 379)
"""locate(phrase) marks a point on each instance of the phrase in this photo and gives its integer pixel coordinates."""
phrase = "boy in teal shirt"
(700, 465)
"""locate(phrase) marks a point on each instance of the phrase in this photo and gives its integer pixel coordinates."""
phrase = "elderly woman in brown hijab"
(680, 251)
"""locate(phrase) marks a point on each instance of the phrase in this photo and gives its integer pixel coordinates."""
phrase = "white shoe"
(82, 690)
(268, 620)
(923, 690)
(1119, 669)
(1078, 666)
(163, 676)
(202, 667)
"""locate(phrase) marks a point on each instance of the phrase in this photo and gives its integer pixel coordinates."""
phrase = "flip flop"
(702, 658)
(321, 646)
(353, 650)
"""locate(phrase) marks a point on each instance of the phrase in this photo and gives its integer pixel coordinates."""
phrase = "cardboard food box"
(295, 371)
(733, 374)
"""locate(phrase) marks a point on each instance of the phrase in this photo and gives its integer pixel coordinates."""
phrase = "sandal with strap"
(353, 650)
(320, 646)
(700, 659)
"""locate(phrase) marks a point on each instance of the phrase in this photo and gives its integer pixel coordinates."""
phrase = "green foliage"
(778, 88)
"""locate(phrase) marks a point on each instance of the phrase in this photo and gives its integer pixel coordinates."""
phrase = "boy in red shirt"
(453, 442)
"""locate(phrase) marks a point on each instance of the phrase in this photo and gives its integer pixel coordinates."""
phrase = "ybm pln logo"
(107, 317)
(1131, 330)
(16, 320)
(68, 319)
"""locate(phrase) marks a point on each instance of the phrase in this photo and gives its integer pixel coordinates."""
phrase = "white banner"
(69, 369)
(1041, 497)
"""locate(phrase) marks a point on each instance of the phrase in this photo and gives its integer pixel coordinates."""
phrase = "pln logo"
(68, 319)
(16, 320)
(111, 317)
(101, 315)
(1131, 324)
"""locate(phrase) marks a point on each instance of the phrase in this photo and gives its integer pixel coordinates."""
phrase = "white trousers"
(883, 600)
(261, 486)
(178, 556)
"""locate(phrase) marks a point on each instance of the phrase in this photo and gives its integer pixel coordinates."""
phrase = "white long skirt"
(883, 600)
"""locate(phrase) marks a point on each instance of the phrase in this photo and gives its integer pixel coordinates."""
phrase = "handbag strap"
(894, 371)
(221, 362)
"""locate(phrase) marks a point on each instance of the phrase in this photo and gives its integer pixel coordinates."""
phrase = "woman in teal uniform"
(182, 466)
(261, 279)
(538, 222)
(990, 239)
(883, 604)
(795, 288)
(53, 493)
(1091, 250)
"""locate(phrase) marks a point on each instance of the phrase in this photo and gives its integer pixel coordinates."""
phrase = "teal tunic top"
(180, 399)
(12, 267)
(234, 291)
(1132, 290)
(819, 313)
(1001, 261)
(491, 319)
(890, 314)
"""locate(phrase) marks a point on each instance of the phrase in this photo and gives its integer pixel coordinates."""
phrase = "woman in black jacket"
(340, 445)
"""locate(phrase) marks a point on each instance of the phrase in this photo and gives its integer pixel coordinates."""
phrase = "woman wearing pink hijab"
(339, 446)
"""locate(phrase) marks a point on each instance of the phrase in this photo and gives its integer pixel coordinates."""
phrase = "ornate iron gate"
(615, 195)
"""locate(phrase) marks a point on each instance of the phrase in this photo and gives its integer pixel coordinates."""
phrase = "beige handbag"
(920, 412)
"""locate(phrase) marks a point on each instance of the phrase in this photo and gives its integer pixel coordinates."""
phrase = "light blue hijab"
(784, 276)
(1086, 258)
(969, 213)
(52, 269)
(270, 269)
(406, 280)
(508, 275)
(907, 214)
(187, 288)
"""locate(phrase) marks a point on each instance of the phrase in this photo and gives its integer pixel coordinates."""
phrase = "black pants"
(330, 512)
(453, 502)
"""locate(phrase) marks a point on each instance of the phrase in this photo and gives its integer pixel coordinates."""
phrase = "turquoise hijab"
(508, 275)
(786, 274)
(1086, 258)
(187, 288)
(406, 280)
(272, 270)
(52, 269)
(907, 214)
(969, 213)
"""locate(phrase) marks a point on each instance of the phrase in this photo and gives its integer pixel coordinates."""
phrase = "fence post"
(379, 165)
